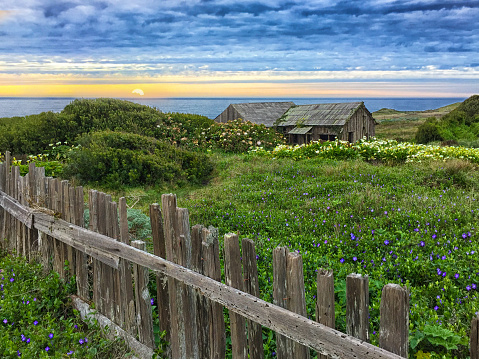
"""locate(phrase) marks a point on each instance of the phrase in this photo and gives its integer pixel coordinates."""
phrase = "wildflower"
(342, 260)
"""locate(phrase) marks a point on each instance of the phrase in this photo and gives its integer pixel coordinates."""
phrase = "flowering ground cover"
(37, 320)
(413, 224)
(387, 151)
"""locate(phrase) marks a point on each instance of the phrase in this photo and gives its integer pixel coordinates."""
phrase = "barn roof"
(265, 113)
(325, 114)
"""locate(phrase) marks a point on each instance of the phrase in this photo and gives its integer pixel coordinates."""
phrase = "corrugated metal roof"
(326, 114)
(265, 113)
(300, 130)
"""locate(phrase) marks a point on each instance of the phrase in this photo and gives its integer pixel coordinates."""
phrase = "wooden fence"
(41, 218)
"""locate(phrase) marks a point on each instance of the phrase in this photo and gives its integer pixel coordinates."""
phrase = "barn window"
(327, 137)
(351, 137)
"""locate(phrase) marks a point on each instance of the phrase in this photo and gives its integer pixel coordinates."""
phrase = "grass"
(37, 319)
(412, 224)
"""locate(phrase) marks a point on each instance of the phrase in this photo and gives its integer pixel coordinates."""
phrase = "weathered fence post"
(159, 249)
(81, 258)
(296, 295)
(127, 303)
(251, 286)
(212, 269)
(280, 297)
(394, 320)
(202, 304)
(233, 278)
(289, 293)
(177, 338)
(188, 294)
(142, 296)
(357, 306)
(325, 300)
(474, 338)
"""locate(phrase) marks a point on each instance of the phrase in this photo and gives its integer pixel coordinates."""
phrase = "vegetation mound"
(462, 123)
(116, 159)
(33, 134)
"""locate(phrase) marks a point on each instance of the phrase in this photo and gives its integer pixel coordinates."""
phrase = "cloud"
(172, 38)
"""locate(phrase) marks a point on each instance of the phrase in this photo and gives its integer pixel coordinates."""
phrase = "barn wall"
(361, 124)
(227, 115)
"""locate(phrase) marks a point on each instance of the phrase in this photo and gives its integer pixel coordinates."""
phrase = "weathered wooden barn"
(265, 113)
(329, 121)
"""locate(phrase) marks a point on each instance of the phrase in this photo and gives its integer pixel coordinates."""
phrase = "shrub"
(428, 132)
(240, 136)
(115, 159)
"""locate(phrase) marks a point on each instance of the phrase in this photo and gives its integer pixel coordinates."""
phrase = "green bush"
(115, 159)
(428, 132)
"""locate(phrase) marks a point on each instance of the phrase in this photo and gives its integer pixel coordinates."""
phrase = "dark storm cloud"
(253, 35)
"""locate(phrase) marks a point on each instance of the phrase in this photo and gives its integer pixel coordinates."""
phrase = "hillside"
(460, 125)
(403, 125)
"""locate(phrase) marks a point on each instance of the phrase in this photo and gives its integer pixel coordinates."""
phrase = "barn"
(349, 121)
(265, 113)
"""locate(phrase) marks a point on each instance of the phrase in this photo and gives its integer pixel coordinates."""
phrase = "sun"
(138, 91)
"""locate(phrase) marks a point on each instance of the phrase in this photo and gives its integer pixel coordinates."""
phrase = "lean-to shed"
(349, 121)
(265, 113)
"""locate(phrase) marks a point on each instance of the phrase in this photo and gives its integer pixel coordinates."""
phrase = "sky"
(239, 48)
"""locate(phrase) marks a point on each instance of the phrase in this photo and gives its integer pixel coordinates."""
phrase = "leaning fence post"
(474, 338)
(142, 296)
(394, 320)
(325, 300)
(357, 306)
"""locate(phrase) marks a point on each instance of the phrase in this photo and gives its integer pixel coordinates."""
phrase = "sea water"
(212, 107)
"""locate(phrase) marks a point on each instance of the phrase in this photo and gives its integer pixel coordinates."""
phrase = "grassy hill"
(403, 125)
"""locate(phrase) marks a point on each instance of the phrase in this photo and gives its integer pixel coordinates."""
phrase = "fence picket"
(177, 344)
(280, 298)
(250, 268)
(296, 295)
(142, 298)
(325, 300)
(159, 249)
(357, 306)
(202, 304)
(394, 320)
(212, 269)
(81, 260)
(474, 338)
(233, 278)
(188, 294)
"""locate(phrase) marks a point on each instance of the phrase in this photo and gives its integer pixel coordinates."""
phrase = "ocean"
(212, 107)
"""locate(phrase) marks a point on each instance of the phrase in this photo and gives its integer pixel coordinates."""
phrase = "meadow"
(398, 212)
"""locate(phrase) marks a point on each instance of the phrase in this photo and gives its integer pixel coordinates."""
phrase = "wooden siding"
(228, 115)
(265, 113)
